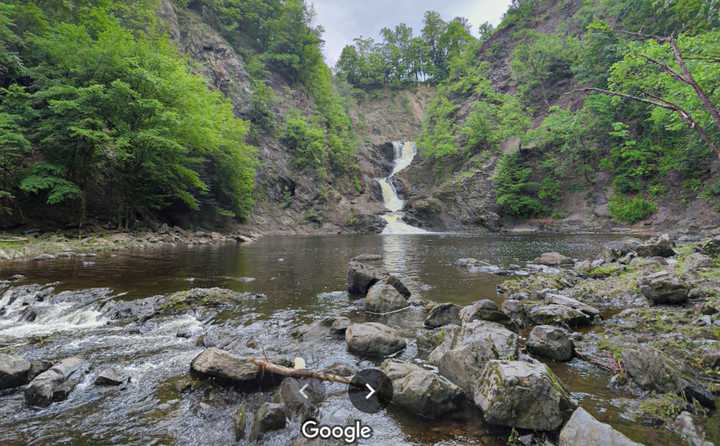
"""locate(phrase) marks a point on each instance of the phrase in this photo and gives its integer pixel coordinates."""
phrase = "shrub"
(307, 143)
(631, 209)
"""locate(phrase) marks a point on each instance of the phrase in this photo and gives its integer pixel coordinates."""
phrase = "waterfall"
(403, 157)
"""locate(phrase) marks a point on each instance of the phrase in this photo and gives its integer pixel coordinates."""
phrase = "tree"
(673, 75)
(433, 29)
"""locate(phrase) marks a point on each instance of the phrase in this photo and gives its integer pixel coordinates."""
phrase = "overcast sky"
(344, 20)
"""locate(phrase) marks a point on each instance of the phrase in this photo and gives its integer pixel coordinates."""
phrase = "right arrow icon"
(372, 391)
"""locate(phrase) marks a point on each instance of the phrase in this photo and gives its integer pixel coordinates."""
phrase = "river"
(304, 279)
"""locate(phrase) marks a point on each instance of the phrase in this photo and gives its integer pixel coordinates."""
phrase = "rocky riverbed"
(619, 349)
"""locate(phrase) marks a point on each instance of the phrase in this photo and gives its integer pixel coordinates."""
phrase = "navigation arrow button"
(372, 391)
(302, 391)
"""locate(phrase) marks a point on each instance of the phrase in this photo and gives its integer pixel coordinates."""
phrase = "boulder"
(361, 277)
(373, 339)
(550, 342)
(652, 370)
(515, 310)
(695, 262)
(553, 259)
(14, 371)
(443, 314)
(421, 391)
(56, 383)
(554, 314)
(661, 246)
(227, 368)
(522, 395)
(464, 351)
(485, 310)
(269, 417)
(584, 429)
(663, 288)
(384, 298)
(110, 377)
(559, 299)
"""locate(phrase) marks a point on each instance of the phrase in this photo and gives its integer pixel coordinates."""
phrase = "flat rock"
(553, 259)
(373, 339)
(554, 314)
(521, 395)
(584, 429)
(559, 299)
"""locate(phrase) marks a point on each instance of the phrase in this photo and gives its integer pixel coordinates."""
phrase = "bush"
(631, 209)
(516, 193)
(307, 143)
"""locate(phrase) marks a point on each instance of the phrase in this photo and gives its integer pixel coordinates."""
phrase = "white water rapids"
(404, 155)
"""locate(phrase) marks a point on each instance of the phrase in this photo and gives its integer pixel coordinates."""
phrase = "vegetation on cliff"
(103, 118)
(575, 92)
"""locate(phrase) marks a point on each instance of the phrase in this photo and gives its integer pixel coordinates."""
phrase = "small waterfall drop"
(404, 155)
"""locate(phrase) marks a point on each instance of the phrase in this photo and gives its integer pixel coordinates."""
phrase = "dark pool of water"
(293, 272)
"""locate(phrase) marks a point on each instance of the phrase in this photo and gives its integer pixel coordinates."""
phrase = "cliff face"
(289, 200)
(460, 192)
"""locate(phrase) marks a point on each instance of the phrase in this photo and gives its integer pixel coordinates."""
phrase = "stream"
(156, 407)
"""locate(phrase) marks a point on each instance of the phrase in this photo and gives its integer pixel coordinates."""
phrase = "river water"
(304, 279)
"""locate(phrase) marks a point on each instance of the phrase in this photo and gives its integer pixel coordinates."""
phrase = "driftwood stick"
(268, 366)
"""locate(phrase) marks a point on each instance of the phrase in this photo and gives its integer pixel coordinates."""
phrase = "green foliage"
(630, 209)
(437, 139)
(115, 113)
(48, 178)
(494, 118)
(404, 59)
(541, 62)
(261, 104)
(516, 191)
(307, 143)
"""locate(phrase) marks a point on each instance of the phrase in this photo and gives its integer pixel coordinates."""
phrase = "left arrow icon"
(302, 391)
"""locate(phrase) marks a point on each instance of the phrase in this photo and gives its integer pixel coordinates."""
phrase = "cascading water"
(404, 155)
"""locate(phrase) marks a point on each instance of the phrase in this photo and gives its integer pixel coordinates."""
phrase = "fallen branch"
(269, 367)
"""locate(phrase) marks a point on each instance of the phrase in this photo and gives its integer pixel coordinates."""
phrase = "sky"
(344, 20)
